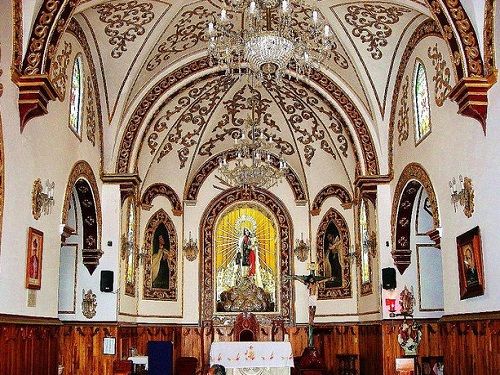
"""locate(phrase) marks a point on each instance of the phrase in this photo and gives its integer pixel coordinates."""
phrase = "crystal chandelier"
(254, 166)
(270, 40)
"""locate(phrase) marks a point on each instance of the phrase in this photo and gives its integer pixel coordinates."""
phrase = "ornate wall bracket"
(89, 304)
(435, 235)
(471, 95)
(35, 92)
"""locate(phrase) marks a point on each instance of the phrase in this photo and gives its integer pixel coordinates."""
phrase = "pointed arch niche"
(82, 195)
(413, 179)
(271, 210)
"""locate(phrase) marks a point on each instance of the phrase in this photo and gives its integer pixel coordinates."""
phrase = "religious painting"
(34, 259)
(332, 247)
(246, 260)
(470, 264)
(161, 263)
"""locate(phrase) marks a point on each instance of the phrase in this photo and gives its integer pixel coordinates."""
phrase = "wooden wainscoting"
(28, 346)
(470, 345)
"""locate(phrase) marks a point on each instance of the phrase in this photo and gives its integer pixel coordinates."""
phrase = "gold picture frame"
(470, 264)
(34, 259)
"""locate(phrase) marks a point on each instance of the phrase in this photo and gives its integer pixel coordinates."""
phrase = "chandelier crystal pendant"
(270, 39)
(254, 166)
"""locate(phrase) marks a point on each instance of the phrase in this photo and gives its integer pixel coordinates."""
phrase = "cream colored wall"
(47, 149)
(457, 146)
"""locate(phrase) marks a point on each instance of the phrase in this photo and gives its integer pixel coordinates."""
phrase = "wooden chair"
(246, 327)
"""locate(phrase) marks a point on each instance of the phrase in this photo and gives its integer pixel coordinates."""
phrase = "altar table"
(253, 357)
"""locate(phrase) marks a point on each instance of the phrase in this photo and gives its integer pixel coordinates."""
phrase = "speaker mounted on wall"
(107, 281)
(389, 278)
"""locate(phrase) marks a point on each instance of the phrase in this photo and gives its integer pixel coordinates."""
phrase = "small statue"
(407, 301)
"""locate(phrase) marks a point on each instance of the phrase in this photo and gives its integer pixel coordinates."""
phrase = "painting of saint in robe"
(333, 249)
(162, 258)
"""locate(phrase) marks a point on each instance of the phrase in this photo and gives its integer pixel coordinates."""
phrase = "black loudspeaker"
(106, 281)
(389, 278)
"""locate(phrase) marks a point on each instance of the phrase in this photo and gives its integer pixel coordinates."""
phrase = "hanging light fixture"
(269, 40)
(254, 166)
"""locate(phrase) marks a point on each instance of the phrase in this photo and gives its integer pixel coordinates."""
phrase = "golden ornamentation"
(413, 173)
(124, 22)
(170, 294)
(441, 77)
(464, 196)
(207, 225)
(160, 189)
(90, 120)
(89, 304)
(489, 37)
(124, 162)
(58, 71)
(190, 249)
(75, 29)
(17, 37)
(426, 29)
(404, 113)
(328, 191)
(189, 31)
(371, 24)
(42, 199)
(344, 291)
(245, 296)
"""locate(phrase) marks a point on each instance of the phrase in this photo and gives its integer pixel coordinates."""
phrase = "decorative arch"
(194, 186)
(412, 179)
(207, 226)
(328, 191)
(159, 218)
(426, 29)
(160, 189)
(36, 89)
(324, 291)
(82, 179)
(136, 122)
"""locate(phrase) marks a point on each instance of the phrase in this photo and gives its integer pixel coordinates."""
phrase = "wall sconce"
(190, 248)
(42, 198)
(391, 306)
(301, 249)
(143, 254)
(464, 196)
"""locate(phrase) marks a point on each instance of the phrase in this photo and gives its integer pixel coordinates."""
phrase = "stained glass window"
(421, 102)
(364, 235)
(76, 97)
(131, 243)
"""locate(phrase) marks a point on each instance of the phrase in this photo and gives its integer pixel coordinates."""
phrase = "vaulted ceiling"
(170, 110)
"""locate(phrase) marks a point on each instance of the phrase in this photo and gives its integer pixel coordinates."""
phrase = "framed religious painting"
(34, 259)
(470, 264)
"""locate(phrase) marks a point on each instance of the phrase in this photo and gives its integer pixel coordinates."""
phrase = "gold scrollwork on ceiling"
(404, 113)
(371, 24)
(442, 75)
(124, 22)
(59, 70)
(189, 30)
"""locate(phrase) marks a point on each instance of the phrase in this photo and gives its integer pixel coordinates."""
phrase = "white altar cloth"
(252, 354)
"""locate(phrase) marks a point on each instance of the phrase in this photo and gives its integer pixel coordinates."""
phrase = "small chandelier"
(254, 165)
(269, 40)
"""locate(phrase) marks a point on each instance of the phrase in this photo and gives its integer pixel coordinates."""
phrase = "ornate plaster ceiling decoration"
(121, 30)
(200, 120)
(376, 31)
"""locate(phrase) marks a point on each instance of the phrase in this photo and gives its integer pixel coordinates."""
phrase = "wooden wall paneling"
(127, 338)
(298, 338)
(28, 349)
(370, 349)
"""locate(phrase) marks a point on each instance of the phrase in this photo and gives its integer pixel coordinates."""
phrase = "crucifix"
(311, 281)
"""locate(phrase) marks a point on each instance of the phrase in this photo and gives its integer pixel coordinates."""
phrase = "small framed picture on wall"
(470, 264)
(34, 259)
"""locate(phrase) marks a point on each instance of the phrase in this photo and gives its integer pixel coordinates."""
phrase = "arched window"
(421, 102)
(76, 97)
(365, 244)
